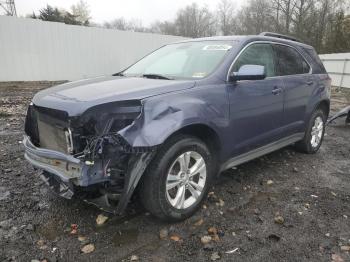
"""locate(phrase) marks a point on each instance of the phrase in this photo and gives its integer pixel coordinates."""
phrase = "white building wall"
(338, 67)
(34, 50)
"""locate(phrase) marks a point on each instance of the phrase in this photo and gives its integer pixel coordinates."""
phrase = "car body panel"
(297, 91)
(163, 115)
(76, 97)
(255, 114)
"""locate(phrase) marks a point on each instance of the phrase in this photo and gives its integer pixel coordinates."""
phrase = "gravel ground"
(285, 206)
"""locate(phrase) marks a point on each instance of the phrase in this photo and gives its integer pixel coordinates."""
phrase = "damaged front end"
(85, 156)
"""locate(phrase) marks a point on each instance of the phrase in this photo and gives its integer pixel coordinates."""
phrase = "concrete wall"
(33, 50)
(338, 67)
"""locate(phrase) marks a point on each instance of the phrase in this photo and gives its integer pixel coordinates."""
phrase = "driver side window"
(257, 54)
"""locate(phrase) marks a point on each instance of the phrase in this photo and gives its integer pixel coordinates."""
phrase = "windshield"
(182, 60)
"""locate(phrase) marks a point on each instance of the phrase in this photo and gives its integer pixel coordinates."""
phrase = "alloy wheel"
(186, 180)
(317, 132)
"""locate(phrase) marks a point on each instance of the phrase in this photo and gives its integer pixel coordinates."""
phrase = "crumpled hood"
(76, 97)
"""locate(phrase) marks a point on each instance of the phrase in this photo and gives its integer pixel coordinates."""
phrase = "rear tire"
(168, 189)
(314, 134)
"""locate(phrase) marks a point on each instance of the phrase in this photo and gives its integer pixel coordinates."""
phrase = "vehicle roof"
(249, 38)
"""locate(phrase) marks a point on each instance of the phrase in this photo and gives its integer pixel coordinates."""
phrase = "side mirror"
(249, 72)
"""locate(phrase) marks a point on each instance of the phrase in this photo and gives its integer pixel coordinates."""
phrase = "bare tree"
(255, 18)
(81, 12)
(325, 24)
(338, 35)
(284, 12)
(301, 18)
(118, 23)
(126, 25)
(195, 21)
(166, 28)
(225, 15)
(325, 11)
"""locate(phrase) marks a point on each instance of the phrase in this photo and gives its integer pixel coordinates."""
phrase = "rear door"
(256, 107)
(299, 84)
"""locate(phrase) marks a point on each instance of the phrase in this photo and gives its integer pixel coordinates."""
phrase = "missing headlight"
(110, 117)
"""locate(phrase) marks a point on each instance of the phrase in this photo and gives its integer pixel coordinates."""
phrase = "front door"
(256, 107)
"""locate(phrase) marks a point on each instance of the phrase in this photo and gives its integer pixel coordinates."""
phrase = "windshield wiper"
(156, 76)
(118, 74)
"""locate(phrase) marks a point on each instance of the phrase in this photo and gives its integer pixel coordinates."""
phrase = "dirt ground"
(285, 206)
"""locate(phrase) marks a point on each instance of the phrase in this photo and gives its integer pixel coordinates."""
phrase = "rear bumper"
(66, 167)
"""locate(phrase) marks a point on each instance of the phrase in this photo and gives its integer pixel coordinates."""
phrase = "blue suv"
(168, 124)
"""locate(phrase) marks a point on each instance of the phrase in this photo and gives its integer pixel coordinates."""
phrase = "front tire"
(314, 133)
(178, 178)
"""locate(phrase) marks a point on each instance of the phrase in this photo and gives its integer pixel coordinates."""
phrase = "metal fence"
(34, 50)
(338, 67)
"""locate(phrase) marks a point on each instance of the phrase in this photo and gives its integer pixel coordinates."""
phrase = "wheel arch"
(323, 105)
(206, 134)
(203, 132)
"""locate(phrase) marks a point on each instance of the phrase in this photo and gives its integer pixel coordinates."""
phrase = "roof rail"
(280, 36)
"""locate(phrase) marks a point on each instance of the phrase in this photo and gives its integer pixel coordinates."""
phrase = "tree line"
(79, 14)
(325, 24)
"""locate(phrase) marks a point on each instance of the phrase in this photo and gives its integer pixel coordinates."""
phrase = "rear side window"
(289, 61)
(317, 66)
(257, 54)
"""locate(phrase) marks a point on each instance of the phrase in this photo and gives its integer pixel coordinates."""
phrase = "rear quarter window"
(318, 66)
(290, 61)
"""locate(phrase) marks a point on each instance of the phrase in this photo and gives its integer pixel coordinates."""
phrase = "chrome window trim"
(272, 43)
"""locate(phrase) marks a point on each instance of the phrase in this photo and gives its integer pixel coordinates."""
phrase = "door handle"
(276, 90)
(309, 83)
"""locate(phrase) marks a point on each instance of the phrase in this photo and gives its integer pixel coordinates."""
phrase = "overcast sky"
(147, 11)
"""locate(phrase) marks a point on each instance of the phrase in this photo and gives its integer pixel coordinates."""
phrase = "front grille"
(46, 127)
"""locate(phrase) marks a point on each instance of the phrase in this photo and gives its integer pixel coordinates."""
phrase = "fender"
(164, 115)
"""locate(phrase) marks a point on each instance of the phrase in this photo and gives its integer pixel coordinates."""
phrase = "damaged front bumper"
(67, 175)
(66, 167)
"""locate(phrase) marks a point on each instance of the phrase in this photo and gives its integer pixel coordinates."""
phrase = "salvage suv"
(168, 124)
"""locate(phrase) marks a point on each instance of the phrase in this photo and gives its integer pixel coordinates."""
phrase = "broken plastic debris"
(232, 251)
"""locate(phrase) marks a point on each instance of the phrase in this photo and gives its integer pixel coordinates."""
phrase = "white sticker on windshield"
(217, 47)
(199, 74)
